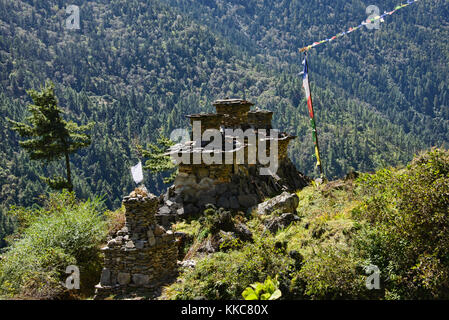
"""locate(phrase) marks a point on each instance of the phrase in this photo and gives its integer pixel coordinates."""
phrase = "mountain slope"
(138, 67)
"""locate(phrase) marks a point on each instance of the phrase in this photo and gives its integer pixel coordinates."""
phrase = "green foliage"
(116, 220)
(226, 275)
(332, 273)
(230, 243)
(157, 160)
(213, 220)
(48, 136)
(408, 232)
(267, 290)
(395, 219)
(162, 60)
(65, 232)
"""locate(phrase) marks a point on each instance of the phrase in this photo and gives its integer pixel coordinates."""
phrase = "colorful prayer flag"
(367, 21)
(306, 86)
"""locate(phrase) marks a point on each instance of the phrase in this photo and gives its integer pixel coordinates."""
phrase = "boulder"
(123, 278)
(277, 223)
(247, 200)
(285, 202)
(140, 279)
(234, 202)
(243, 232)
(105, 278)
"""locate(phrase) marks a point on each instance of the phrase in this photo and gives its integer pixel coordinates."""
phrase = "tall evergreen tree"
(48, 136)
(158, 161)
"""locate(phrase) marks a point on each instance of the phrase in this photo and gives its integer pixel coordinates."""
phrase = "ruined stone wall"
(142, 255)
(283, 146)
(246, 188)
(237, 186)
(235, 112)
(260, 119)
(208, 120)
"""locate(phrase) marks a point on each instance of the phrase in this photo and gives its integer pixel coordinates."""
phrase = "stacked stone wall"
(260, 119)
(142, 255)
(237, 186)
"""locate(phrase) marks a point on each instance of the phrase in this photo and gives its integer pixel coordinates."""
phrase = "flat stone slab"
(285, 202)
(124, 278)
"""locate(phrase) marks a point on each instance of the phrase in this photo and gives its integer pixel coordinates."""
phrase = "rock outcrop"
(283, 203)
(277, 223)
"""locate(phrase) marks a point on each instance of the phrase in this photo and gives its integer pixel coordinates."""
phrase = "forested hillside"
(138, 67)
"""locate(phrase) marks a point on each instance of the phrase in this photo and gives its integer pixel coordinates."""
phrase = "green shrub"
(408, 232)
(115, 220)
(66, 233)
(226, 275)
(331, 273)
(395, 219)
(267, 290)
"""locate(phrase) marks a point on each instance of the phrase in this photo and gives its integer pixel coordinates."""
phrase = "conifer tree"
(158, 161)
(48, 136)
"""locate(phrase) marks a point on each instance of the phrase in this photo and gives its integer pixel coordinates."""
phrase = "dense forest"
(136, 68)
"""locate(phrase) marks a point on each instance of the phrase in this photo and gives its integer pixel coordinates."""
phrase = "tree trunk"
(69, 174)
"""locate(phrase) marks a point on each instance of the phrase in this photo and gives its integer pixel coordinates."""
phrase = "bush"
(226, 275)
(63, 233)
(331, 273)
(115, 220)
(267, 290)
(408, 232)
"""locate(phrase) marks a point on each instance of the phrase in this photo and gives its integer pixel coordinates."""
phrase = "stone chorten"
(142, 255)
(232, 186)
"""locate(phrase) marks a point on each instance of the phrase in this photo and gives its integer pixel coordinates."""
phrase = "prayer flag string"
(367, 21)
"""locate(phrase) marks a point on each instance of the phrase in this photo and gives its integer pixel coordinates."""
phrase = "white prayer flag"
(137, 173)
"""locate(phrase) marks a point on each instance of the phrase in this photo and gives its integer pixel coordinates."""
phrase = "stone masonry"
(142, 255)
(233, 186)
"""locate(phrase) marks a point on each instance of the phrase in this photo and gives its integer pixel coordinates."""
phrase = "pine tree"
(49, 136)
(158, 161)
